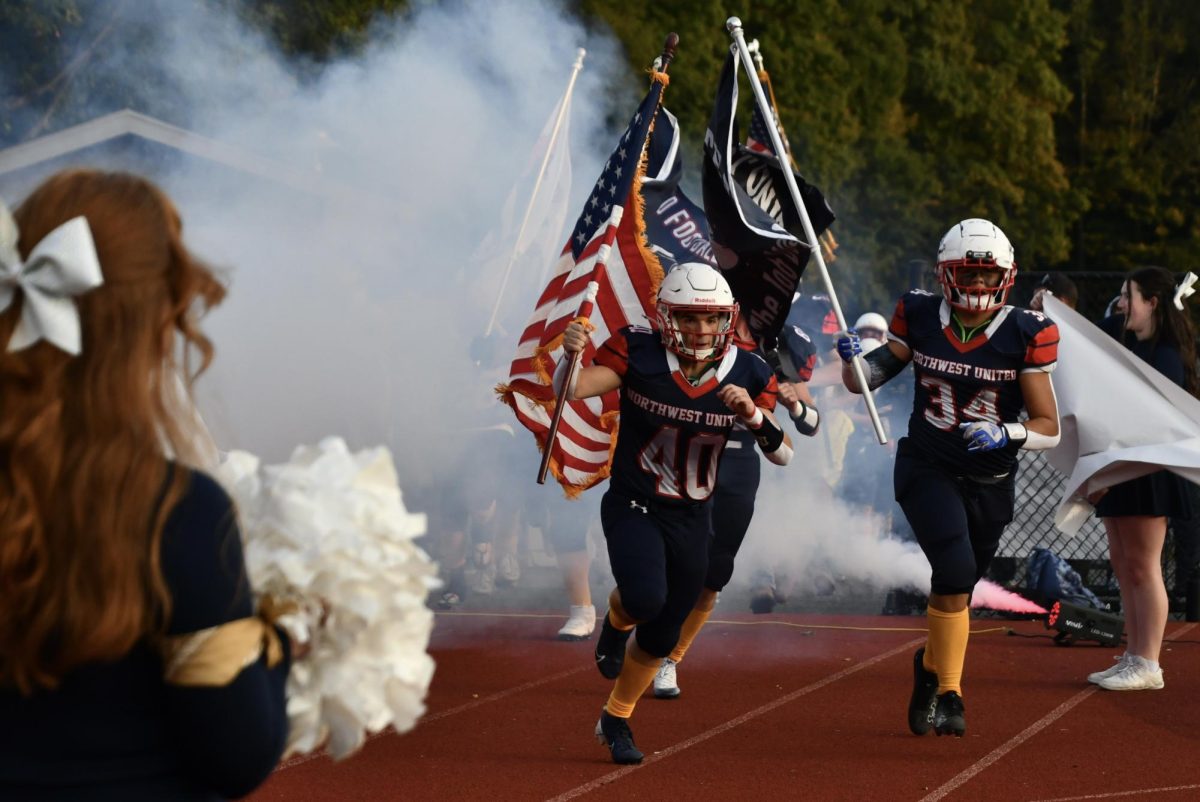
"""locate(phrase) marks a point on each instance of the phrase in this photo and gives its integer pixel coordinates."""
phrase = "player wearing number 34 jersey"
(682, 389)
(978, 363)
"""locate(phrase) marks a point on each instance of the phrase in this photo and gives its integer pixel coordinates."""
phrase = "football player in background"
(978, 362)
(682, 388)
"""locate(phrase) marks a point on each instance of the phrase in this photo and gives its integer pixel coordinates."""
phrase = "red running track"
(776, 707)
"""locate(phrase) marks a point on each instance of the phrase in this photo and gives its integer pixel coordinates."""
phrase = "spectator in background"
(569, 535)
(132, 665)
(1185, 530)
(1058, 285)
(1135, 513)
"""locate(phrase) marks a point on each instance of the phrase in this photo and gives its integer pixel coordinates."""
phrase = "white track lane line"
(1117, 794)
(298, 759)
(1021, 737)
(603, 780)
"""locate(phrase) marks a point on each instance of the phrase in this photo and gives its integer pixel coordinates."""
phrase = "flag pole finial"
(733, 24)
(669, 46)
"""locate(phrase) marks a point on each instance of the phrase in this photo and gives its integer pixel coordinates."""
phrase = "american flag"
(613, 216)
(758, 139)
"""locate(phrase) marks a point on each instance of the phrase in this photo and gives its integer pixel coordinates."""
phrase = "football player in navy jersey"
(682, 390)
(977, 362)
(737, 488)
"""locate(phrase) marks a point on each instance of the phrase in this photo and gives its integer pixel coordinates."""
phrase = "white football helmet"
(872, 321)
(970, 246)
(695, 287)
(869, 344)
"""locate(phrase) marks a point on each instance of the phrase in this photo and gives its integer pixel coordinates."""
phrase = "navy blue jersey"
(801, 351)
(977, 380)
(672, 434)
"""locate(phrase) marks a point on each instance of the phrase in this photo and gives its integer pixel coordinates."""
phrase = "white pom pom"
(329, 530)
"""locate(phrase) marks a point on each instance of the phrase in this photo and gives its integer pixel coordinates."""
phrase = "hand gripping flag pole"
(563, 107)
(597, 277)
(734, 26)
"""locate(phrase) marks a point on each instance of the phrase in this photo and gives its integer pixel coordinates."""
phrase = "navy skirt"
(1158, 493)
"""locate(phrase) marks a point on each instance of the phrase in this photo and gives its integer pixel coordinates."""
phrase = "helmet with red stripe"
(972, 250)
(694, 288)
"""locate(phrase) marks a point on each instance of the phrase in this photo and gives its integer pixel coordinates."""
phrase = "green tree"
(1130, 134)
(56, 70)
(909, 118)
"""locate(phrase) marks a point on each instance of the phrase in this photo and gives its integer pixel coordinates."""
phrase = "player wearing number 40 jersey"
(978, 363)
(682, 389)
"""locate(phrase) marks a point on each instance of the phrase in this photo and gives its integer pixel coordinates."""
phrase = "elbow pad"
(806, 418)
(882, 366)
(1031, 441)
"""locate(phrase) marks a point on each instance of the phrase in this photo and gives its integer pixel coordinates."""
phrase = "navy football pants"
(732, 507)
(958, 521)
(659, 554)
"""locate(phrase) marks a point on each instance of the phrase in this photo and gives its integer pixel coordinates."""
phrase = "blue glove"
(849, 345)
(984, 436)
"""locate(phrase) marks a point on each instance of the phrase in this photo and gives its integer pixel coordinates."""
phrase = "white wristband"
(1030, 440)
(755, 420)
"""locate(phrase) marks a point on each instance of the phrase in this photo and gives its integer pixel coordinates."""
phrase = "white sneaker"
(483, 581)
(1096, 676)
(1135, 676)
(580, 624)
(666, 685)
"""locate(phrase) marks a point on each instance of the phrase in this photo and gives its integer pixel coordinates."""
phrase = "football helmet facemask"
(697, 288)
(970, 247)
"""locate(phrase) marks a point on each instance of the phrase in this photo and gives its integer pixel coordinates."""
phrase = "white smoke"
(348, 235)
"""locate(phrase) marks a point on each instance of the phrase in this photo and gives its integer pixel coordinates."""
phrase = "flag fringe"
(609, 421)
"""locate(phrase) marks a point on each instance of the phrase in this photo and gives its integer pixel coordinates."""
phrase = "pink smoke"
(990, 595)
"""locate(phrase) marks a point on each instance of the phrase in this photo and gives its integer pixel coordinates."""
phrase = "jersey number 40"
(683, 464)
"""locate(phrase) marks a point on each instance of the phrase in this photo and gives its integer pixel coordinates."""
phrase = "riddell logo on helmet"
(979, 255)
(704, 300)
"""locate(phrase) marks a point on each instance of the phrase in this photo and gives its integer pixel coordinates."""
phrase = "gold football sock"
(616, 613)
(929, 660)
(693, 624)
(636, 675)
(948, 633)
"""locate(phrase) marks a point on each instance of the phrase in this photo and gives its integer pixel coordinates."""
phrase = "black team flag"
(757, 233)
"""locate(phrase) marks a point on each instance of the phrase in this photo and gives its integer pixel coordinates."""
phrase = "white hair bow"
(1184, 289)
(64, 264)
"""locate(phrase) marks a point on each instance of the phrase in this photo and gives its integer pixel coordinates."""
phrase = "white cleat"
(580, 624)
(1096, 676)
(1135, 676)
(666, 685)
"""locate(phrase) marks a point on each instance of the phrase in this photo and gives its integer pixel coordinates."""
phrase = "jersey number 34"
(943, 411)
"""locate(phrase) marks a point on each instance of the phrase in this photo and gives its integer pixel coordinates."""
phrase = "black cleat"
(924, 696)
(948, 716)
(610, 649)
(614, 733)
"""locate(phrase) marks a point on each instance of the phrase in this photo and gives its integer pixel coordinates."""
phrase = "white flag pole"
(562, 113)
(734, 26)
